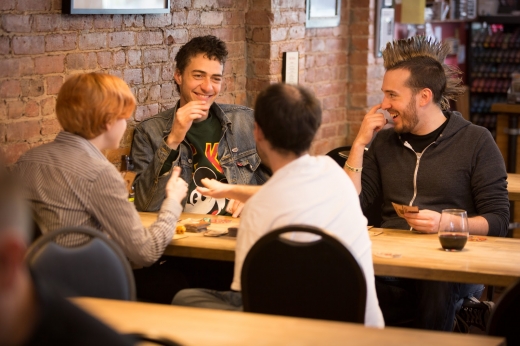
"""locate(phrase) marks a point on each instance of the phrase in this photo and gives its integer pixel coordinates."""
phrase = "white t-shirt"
(315, 191)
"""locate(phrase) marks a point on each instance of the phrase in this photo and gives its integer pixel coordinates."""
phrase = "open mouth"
(203, 96)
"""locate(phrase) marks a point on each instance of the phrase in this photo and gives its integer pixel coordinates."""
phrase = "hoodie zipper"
(417, 162)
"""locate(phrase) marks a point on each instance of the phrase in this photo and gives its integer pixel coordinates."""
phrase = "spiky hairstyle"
(402, 54)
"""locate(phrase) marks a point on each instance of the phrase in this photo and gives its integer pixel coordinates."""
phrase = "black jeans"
(422, 304)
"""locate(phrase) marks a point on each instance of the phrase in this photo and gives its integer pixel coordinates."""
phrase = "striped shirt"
(69, 182)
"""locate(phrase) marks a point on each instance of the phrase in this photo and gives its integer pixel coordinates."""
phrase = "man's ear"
(425, 97)
(177, 76)
(257, 132)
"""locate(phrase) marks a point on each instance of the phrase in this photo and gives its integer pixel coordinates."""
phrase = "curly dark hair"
(212, 47)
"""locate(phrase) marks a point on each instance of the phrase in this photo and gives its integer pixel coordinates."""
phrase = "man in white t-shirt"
(304, 189)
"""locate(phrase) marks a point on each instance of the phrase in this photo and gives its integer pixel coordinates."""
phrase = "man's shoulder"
(233, 111)
(159, 119)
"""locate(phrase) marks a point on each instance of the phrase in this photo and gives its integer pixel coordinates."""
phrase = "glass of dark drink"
(453, 229)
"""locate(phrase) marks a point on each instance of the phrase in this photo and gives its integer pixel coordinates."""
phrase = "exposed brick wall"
(40, 47)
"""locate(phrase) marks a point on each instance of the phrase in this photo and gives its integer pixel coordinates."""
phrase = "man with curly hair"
(432, 158)
(205, 138)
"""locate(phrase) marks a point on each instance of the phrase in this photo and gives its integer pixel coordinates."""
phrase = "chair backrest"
(504, 319)
(338, 155)
(318, 279)
(94, 267)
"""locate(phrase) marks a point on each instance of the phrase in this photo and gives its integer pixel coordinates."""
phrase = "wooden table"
(196, 326)
(491, 262)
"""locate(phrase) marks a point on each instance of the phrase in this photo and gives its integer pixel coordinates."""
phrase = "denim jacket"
(236, 152)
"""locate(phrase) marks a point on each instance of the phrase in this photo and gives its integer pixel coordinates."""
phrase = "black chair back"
(340, 154)
(318, 279)
(94, 267)
(504, 319)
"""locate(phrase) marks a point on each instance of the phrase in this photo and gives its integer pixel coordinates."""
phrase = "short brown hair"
(289, 116)
(88, 102)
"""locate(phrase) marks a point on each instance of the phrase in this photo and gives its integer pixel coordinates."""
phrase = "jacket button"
(190, 161)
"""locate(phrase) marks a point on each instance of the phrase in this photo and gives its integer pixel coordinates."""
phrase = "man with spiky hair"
(432, 158)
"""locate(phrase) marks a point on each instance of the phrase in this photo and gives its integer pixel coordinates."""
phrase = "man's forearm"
(478, 225)
(242, 192)
(354, 161)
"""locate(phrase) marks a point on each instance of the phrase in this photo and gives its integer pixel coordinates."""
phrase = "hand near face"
(372, 123)
(183, 120)
(176, 187)
(425, 221)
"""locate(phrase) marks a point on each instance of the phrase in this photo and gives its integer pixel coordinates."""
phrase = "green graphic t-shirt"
(203, 138)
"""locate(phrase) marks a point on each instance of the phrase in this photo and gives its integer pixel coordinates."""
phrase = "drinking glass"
(453, 229)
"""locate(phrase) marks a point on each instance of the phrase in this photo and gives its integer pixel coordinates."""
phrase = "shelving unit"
(494, 53)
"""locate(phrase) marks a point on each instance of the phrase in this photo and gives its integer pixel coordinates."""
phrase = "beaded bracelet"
(353, 169)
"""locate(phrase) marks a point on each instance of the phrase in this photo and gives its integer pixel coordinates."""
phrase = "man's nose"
(206, 85)
(385, 105)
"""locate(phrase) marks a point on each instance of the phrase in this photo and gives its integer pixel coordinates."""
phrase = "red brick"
(46, 22)
(23, 130)
(133, 76)
(142, 95)
(193, 18)
(260, 17)
(15, 109)
(50, 126)
(180, 4)
(146, 111)
(155, 55)
(211, 18)
(104, 59)
(3, 139)
(60, 42)
(361, 29)
(151, 74)
(10, 89)
(133, 20)
(167, 72)
(134, 57)
(121, 39)
(119, 58)
(7, 5)
(54, 84)
(3, 111)
(93, 41)
(155, 92)
(167, 91)
(81, 61)
(103, 21)
(179, 18)
(147, 38)
(4, 45)
(28, 44)
(261, 35)
(297, 32)
(157, 20)
(32, 87)
(16, 23)
(56, 5)
(359, 58)
(205, 4)
(12, 152)
(32, 109)
(12, 67)
(48, 106)
(76, 22)
(33, 5)
(49, 64)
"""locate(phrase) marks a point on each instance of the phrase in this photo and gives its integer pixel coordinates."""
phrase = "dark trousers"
(160, 282)
(422, 304)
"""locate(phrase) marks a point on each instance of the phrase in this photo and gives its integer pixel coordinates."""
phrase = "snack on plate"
(180, 229)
